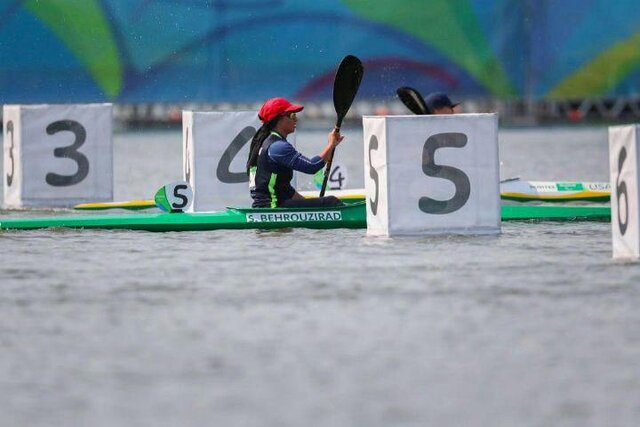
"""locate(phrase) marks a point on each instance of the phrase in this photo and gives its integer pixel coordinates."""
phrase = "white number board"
(623, 165)
(57, 155)
(215, 151)
(432, 174)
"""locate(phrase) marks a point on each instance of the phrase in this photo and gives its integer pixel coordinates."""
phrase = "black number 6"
(621, 188)
(69, 152)
(459, 178)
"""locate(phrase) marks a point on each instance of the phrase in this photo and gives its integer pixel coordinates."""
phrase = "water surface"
(535, 327)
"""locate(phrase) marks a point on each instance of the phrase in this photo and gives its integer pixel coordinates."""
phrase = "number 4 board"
(215, 150)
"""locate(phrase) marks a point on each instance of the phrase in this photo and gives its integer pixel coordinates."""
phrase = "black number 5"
(69, 152)
(373, 145)
(13, 165)
(183, 199)
(459, 178)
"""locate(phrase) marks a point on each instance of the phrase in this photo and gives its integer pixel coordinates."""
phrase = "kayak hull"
(349, 216)
(555, 213)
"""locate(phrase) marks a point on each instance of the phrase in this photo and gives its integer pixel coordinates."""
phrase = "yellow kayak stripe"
(576, 195)
(345, 197)
(532, 196)
(116, 205)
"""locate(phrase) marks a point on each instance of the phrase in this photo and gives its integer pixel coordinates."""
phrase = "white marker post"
(215, 151)
(624, 170)
(432, 174)
(57, 155)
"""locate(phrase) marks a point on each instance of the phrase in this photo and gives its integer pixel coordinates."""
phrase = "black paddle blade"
(413, 100)
(345, 86)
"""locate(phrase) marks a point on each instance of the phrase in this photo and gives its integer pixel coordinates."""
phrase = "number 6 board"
(625, 212)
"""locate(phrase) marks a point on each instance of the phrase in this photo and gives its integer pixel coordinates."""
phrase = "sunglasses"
(292, 116)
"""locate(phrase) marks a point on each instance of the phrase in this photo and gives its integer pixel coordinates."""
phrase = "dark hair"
(258, 139)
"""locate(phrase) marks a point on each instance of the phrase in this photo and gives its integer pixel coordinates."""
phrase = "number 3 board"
(57, 155)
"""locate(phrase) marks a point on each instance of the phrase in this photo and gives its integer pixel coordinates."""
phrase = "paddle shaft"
(327, 171)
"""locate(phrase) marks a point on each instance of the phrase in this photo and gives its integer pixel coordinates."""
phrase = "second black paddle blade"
(412, 99)
(346, 84)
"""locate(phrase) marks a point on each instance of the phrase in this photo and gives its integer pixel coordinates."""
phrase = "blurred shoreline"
(512, 113)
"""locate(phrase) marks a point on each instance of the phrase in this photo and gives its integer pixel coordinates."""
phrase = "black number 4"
(223, 171)
(336, 177)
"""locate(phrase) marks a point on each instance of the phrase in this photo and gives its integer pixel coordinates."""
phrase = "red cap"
(275, 107)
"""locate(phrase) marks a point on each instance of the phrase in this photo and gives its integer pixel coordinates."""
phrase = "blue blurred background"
(176, 51)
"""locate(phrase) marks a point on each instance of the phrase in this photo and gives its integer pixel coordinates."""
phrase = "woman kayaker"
(272, 159)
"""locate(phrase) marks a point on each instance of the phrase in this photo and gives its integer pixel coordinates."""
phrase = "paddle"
(412, 99)
(345, 87)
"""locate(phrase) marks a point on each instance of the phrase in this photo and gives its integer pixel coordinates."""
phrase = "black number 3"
(69, 152)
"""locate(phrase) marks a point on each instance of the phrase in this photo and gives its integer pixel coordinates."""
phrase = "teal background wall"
(249, 50)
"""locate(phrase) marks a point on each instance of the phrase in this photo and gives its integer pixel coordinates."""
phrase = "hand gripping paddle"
(345, 87)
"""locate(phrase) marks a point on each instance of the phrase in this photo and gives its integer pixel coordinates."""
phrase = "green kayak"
(349, 216)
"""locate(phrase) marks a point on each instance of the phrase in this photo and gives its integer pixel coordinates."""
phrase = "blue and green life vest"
(269, 183)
